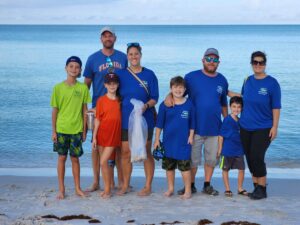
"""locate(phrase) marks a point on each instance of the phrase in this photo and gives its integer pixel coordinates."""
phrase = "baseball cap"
(107, 28)
(74, 59)
(211, 51)
(111, 77)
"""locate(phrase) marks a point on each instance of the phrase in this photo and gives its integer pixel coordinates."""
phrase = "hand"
(273, 133)
(156, 144)
(83, 136)
(94, 144)
(191, 140)
(54, 137)
(92, 110)
(169, 101)
(145, 107)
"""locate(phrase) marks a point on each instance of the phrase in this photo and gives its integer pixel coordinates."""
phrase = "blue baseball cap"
(74, 59)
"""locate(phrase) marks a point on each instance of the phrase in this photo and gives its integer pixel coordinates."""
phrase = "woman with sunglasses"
(259, 120)
(140, 83)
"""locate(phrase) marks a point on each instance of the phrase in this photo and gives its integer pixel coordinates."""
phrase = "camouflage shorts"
(172, 164)
(66, 142)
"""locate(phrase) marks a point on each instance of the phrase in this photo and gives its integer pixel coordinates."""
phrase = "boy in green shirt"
(69, 101)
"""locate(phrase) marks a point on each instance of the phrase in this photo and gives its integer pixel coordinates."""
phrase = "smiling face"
(111, 87)
(108, 40)
(258, 65)
(210, 64)
(73, 69)
(178, 90)
(134, 56)
(235, 108)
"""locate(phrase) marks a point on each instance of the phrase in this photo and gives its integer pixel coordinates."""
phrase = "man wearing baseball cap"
(98, 64)
(207, 89)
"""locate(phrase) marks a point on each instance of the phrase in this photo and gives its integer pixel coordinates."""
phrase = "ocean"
(32, 60)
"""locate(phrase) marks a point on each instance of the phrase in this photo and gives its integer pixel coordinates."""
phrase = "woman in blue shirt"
(140, 83)
(259, 120)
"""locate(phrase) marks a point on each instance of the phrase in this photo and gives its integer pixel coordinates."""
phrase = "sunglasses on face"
(211, 59)
(256, 63)
(133, 44)
(109, 62)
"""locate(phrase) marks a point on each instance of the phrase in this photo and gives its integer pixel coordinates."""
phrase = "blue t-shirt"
(176, 123)
(131, 88)
(230, 131)
(260, 97)
(97, 67)
(208, 95)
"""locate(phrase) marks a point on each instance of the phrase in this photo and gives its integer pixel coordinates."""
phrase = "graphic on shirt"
(77, 93)
(145, 83)
(219, 89)
(263, 91)
(109, 64)
(185, 114)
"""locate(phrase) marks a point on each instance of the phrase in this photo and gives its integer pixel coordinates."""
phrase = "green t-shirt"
(69, 101)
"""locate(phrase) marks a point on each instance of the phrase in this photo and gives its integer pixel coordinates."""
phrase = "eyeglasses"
(256, 63)
(109, 62)
(133, 44)
(211, 59)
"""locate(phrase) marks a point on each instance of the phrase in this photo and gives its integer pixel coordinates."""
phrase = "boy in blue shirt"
(178, 124)
(230, 147)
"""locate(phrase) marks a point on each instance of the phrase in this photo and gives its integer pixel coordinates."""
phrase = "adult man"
(98, 64)
(208, 90)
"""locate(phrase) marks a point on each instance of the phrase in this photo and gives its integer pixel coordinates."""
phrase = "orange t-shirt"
(108, 112)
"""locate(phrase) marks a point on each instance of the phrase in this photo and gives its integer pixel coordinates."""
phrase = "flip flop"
(228, 193)
(243, 192)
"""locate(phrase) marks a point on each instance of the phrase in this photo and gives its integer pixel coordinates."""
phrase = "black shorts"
(124, 135)
(236, 162)
(69, 142)
(172, 164)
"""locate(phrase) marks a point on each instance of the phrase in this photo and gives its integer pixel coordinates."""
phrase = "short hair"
(178, 80)
(258, 54)
(236, 100)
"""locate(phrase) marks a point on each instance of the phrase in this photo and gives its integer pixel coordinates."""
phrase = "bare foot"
(80, 193)
(186, 196)
(122, 191)
(105, 195)
(144, 192)
(169, 193)
(94, 187)
(60, 195)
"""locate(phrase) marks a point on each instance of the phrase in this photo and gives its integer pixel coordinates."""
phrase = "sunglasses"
(256, 63)
(109, 62)
(133, 44)
(211, 59)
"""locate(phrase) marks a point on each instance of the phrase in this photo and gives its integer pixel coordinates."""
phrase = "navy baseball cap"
(111, 77)
(74, 59)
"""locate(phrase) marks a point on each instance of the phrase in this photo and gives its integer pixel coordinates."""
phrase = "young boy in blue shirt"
(178, 124)
(230, 147)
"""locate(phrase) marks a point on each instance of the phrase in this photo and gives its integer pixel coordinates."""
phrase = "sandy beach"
(24, 200)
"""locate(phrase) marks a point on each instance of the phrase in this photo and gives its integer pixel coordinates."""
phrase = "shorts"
(235, 162)
(69, 142)
(172, 164)
(124, 135)
(210, 150)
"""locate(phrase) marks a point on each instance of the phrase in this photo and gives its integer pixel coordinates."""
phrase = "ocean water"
(32, 60)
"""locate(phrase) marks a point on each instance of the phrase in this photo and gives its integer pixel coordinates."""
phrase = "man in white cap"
(208, 91)
(97, 66)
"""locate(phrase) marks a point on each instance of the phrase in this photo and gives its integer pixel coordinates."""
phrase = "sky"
(150, 12)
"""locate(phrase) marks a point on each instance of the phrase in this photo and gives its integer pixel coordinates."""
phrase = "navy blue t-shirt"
(131, 88)
(260, 97)
(230, 131)
(208, 95)
(97, 67)
(176, 123)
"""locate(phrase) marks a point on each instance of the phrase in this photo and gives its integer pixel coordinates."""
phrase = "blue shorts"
(69, 142)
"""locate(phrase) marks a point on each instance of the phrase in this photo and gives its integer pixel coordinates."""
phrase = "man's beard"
(209, 70)
(108, 45)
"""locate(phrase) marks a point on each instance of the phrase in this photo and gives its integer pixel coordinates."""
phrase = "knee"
(74, 159)
(62, 158)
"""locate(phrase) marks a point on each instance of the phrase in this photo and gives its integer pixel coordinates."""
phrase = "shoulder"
(58, 85)
(94, 56)
(273, 80)
(192, 73)
(119, 53)
(222, 77)
(148, 71)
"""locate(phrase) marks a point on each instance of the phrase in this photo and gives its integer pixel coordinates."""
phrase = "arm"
(157, 137)
(88, 82)
(273, 131)
(224, 111)
(84, 110)
(191, 137)
(54, 118)
(232, 94)
(169, 101)
(149, 104)
(95, 132)
(220, 145)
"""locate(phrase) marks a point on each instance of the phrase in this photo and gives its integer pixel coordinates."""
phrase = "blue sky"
(150, 12)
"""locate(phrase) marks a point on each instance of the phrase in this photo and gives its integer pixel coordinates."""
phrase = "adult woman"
(132, 87)
(259, 120)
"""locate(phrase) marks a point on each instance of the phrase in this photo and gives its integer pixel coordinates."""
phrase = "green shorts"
(172, 164)
(66, 142)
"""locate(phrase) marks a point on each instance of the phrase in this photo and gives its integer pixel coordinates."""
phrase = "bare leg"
(119, 167)
(241, 176)
(226, 180)
(76, 175)
(186, 175)
(262, 180)
(96, 171)
(61, 176)
(171, 178)
(149, 171)
(193, 174)
(208, 172)
(126, 167)
(106, 172)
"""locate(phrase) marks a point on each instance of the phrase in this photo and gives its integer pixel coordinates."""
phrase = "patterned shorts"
(66, 142)
(172, 164)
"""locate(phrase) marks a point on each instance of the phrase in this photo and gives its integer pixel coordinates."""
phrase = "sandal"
(243, 192)
(228, 193)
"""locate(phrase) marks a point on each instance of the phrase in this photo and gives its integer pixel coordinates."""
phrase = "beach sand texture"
(23, 200)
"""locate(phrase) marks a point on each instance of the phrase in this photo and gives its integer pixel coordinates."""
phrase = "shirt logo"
(185, 114)
(145, 83)
(263, 91)
(220, 89)
(77, 93)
